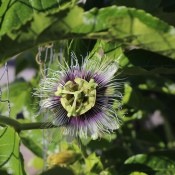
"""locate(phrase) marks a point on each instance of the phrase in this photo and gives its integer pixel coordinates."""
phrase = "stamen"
(78, 96)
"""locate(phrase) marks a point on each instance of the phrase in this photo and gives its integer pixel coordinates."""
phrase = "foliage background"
(140, 34)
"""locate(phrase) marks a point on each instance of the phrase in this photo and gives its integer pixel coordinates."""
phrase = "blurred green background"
(140, 34)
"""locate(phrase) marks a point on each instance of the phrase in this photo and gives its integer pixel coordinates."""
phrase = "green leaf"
(20, 98)
(136, 62)
(13, 18)
(131, 27)
(10, 157)
(128, 169)
(110, 49)
(162, 164)
(25, 29)
(127, 26)
(138, 173)
(93, 164)
(141, 62)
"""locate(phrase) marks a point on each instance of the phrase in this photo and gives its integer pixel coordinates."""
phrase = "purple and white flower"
(82, 96)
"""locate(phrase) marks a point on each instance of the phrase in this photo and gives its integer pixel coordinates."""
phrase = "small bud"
(63, 158)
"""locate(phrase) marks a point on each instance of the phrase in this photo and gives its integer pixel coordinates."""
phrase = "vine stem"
(24, 126)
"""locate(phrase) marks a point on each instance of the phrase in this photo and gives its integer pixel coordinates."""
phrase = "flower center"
(78, 96)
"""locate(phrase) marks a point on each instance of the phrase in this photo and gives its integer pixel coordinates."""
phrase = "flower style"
(82, 97)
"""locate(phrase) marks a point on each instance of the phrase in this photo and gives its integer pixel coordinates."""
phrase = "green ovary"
(78, 96)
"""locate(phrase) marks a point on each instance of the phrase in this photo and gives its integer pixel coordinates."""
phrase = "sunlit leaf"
(10, 157)
(13, 18)
(41, 27)
(138, 173)
(131, 27)
(93, 164)
(127, 26)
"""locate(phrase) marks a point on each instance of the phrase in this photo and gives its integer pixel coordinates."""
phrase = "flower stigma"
(77, 96)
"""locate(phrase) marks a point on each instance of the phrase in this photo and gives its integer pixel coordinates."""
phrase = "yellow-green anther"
(78, 96)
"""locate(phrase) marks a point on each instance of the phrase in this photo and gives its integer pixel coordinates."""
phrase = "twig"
(25, 126)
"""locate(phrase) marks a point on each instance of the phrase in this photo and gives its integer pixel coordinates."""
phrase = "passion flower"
(81, 97)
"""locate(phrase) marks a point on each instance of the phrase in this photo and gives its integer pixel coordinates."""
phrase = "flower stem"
(82, 147)
(24, 126)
